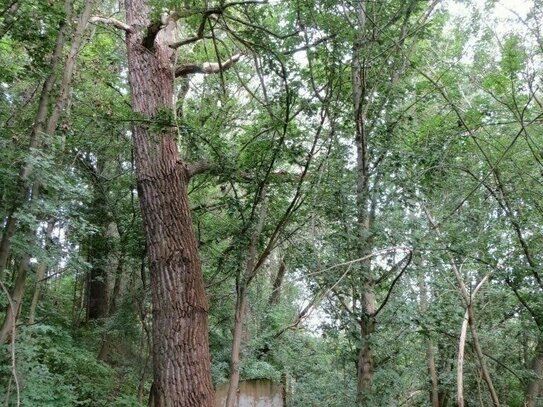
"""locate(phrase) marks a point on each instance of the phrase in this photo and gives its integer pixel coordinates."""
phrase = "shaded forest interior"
(340, 199)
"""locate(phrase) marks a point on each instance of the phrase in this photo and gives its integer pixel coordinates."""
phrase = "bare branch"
(309, 46)
(409, 257)
(199, 34)
(207, 67)
(205, 16)
(111, 21)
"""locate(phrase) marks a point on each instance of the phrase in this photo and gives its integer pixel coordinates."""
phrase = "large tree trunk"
(181, 360)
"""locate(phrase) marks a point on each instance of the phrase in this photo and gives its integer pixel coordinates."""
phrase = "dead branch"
(111, 21)
(207, 67)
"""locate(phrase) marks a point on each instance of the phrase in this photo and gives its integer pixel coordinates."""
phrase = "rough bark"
(365, 356)
(181, 360)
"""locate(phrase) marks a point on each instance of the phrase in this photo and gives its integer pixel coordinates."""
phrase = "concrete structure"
(253, 393)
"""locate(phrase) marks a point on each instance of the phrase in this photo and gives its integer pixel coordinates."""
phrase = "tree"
(181, 361)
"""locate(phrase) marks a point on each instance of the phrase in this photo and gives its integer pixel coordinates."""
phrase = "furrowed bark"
(181, 360)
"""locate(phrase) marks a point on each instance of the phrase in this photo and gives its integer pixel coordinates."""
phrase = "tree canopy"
(341, 197)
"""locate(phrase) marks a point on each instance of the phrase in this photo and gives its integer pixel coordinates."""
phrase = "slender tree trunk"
(475, 337)
(460, 361)
(364, 216)
(99, 247)
(232, 394)
(181, 359)
(10, 17)
(35, 142)
(39, 126)
(430, 359)
(241, 305)
(40, 273)
(462, 345)
(446, 366)
(278, 283)
(480, 355)
(365, 357)
(432, 371)
(535, 386)
(43, 112)
(17, 297)
(467, 298)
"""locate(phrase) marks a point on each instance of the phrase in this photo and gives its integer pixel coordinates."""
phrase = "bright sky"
(503, 10)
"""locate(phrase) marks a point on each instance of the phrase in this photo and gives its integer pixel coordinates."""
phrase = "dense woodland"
(341, 196)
